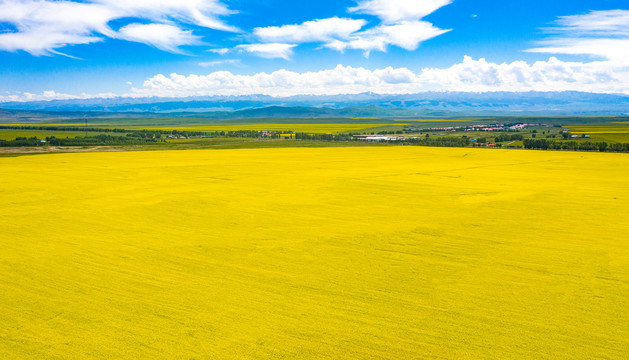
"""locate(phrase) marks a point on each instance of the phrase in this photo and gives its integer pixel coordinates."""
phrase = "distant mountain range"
(430, 104)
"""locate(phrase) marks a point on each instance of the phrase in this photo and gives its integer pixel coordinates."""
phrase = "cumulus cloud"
(603, 34)
(269, 51)
(43, 26)
(551, 75)
(321, 30)
(469, 75)
(340, 80)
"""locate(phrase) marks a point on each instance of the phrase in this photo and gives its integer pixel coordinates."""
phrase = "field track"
(319, 253)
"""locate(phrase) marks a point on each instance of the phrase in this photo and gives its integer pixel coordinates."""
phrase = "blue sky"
(62, 49)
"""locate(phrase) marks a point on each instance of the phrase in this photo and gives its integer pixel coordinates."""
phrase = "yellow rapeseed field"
(610, 132)
(326, 253)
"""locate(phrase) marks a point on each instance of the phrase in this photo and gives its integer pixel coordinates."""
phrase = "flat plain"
(10, 134)
(612, 132)
(308, 128)
(338, 253)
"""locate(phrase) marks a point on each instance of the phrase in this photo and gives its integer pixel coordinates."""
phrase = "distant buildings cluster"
(377, 137)
(477, 127)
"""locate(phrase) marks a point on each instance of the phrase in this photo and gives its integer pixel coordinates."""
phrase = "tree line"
(101, 139)
(545, 144)
(506, 137)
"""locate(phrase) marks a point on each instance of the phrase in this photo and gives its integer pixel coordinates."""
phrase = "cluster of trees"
(145, 134)
(506, 137)
(544, 144)
(101, 139)
(20, 141)
(141, 133)
(320, 137)
(445, 141)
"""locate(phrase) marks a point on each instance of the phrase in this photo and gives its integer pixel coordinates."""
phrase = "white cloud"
(43, 26)
(605, 23)
(162, 36)
(470, 75)
(44, 43)
(551, 75)
(204, 13)
(394, 11)
(401, 25)
(221, 51)
(269, 51)
(340, 80)
(219, 62)
(604, 34)
(321, 30)
(407, 35)
(616, 50)
(51, 95)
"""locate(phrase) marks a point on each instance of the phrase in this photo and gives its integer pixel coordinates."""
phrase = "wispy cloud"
(162, 36)
(407, 35)
(321, 30)
(395, 11)
(44, 26)
(603, 34)
(269, 51)
(220, 51)
(219, 62)
(400, 25)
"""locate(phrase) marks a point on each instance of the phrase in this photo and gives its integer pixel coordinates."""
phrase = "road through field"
(317, 253)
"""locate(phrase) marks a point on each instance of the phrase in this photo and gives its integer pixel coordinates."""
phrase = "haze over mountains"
(429, 104)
